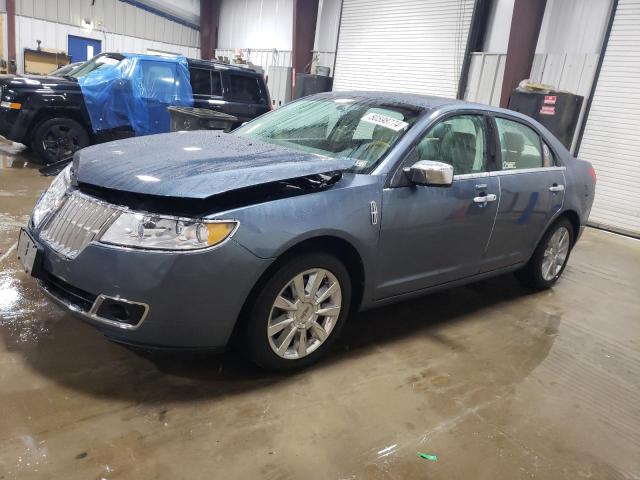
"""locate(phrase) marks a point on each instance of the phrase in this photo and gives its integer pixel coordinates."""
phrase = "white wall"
(55, 36)
(112, 16)
(568, 26)
(573, 26)
(188, 10)
(257, 24)
(120, 26)
(327, 27)
(498, 26)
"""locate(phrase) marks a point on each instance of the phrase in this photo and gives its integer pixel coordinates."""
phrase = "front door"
(532, 192)
(434, 235)
(82, 49)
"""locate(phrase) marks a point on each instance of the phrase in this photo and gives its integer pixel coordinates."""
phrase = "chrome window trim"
(500, 173)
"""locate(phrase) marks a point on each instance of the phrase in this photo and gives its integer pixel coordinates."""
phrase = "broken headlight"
(159, 232)
(53, 197)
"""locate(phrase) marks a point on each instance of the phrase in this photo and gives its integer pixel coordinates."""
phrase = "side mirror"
(428, 172)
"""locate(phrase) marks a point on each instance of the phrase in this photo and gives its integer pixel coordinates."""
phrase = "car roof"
(428, 102)
(225, 66)
(198, 62)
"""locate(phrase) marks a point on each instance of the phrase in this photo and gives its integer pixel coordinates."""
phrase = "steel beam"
(523, 38)
(305, 15)
(209, 21)
(11, 36)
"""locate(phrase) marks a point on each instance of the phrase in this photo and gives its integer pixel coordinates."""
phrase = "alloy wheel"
(555, 253)
(61, 141)
(304, 313)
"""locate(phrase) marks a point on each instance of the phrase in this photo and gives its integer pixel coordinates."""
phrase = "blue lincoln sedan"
(279, 231)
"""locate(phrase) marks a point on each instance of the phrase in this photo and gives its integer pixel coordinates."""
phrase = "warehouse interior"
(485, 380)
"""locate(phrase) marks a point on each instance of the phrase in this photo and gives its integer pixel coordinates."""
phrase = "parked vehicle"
(65, 70)
(48, 113)
(277, 232)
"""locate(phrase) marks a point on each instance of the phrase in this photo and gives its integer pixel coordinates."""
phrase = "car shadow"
(78, 357)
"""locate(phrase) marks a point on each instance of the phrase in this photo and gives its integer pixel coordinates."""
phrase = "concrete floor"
(498, 382)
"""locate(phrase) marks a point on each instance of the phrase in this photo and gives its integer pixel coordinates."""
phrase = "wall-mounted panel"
(256, 24)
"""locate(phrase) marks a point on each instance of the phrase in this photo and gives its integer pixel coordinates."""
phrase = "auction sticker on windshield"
(388, 122)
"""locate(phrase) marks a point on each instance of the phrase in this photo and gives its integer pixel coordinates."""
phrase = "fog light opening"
(120, 311)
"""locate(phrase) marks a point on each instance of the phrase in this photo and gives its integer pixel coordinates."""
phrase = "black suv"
(48, 113)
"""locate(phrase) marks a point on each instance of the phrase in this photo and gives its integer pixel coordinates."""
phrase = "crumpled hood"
(195, 164)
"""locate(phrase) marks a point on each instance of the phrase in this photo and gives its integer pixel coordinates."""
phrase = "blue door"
(81, 49)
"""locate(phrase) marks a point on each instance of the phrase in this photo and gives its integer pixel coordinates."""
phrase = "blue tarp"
(136, 92)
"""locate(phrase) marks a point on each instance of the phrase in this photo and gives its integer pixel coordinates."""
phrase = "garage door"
(611, 138)
(402, 45)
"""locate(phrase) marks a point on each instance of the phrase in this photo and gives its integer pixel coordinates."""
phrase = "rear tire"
(268, 327)
(58, 138)
(550, 257)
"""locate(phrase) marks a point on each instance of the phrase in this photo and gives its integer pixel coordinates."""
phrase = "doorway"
(82, 49)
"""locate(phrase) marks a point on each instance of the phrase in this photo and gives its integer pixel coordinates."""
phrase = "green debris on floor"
(426, 456)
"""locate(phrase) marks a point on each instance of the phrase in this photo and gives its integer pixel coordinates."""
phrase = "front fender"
(342, 211)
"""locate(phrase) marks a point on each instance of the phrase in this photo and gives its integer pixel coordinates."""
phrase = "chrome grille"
(76, 224)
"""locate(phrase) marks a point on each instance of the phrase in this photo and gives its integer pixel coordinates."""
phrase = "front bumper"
(14, 123)
(191, 300)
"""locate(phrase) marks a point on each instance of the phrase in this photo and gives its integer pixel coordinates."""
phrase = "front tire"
(298, 312)
(58, 138)
(550, 257)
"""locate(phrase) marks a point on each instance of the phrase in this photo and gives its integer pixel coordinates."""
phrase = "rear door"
(246, 95)
(531, 192)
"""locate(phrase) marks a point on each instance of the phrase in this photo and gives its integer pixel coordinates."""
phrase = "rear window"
(216, 84)
(205, 82)
(158, 80)
(520, 145)
(244, 89)
(200, 81)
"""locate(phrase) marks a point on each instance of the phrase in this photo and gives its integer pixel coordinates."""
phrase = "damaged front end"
(228, 200)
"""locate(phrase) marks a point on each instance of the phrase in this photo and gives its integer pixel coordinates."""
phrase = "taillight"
(592, 172)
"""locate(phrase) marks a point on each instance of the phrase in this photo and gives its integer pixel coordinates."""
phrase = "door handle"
(483, 199)
(556, 188)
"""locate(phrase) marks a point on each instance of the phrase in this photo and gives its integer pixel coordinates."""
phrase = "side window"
(244, 89)
(459, 141)
(520, 145)
(216, 84)
(158, 81)
(200, 81)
